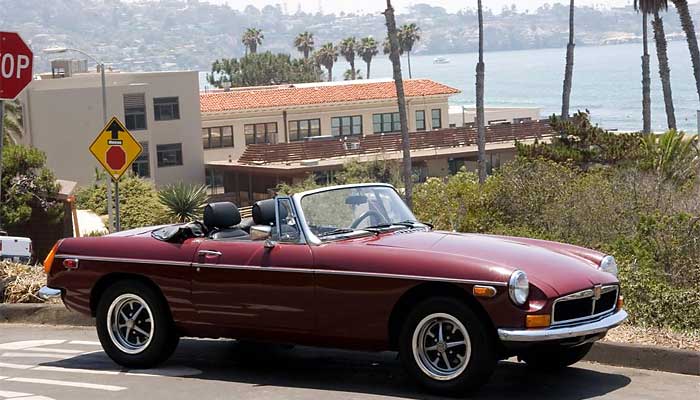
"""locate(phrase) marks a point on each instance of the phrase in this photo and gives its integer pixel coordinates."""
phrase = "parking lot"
(41, 362)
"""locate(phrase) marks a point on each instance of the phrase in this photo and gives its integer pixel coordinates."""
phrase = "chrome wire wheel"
(441, 346)
(130, 323)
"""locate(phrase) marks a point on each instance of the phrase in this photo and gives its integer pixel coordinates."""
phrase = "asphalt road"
(43, 363)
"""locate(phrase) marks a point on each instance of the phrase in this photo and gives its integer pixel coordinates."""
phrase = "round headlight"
(518, 287)
(609, 265)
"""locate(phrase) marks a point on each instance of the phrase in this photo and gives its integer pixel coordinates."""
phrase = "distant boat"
(441, 60)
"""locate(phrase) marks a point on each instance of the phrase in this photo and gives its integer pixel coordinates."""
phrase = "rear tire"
(134, 325)
(554, 358)
(446, 348)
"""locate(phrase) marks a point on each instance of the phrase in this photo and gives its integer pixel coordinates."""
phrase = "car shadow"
(348, 371)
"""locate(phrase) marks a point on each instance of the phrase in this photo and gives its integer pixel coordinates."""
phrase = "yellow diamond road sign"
(115, 148)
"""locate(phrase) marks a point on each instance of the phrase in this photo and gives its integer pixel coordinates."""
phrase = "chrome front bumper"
(563, 332)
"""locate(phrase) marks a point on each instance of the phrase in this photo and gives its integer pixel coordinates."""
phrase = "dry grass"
(20, 283)
(631, 334)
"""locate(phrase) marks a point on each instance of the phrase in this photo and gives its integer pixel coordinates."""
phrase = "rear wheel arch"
(424, 291)
(110, 279)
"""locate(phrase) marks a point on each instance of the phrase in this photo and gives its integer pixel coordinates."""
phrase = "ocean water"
(607, 81)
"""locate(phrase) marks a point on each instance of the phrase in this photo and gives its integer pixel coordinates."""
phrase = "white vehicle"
(17, 249)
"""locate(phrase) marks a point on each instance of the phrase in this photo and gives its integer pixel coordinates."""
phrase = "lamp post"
(101, 65)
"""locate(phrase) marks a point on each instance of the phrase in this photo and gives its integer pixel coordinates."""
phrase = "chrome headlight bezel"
(518, 287)
(609, 265)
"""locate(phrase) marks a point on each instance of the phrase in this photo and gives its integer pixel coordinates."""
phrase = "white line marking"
(27, 344)
(76, 370)
(8, 394)
(35, 355)
(85, 342)
(15, 366)
(61, 351)
(84, 385)
(2, 377)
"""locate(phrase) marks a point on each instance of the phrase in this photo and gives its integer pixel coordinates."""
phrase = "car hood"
(550, 266)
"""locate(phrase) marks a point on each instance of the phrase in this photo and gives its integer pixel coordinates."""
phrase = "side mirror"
(260, 232)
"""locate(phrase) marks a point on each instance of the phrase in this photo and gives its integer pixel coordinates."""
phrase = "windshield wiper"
(338, 231)
(407, 224)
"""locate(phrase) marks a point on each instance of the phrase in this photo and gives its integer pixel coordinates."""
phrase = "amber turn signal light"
(537, 321)
(620, 302)
(484, 291)
(48, 261)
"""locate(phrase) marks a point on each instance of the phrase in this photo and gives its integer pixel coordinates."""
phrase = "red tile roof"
(261, 154)
(285, 96)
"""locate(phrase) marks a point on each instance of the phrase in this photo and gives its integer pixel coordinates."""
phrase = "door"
(261, 284)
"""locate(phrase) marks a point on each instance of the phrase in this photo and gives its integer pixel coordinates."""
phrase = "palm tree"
(251, 39)
(481, 126)
(689, 29)
(569, 69)
(662, 54)
(367, 50)
(394, 55)
(409, 34)
(643, 6)
(12, 121)
(304, 42)
(673, 156)
(326, 56)
(184, 202)
(349, 75)
(348, 49)
(386, 45)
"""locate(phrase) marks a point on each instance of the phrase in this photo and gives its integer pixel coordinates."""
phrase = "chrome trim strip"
(126, 260)
(580, 295)
(554, 333)
(285, 269)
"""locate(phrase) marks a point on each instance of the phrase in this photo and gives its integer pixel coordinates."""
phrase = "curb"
(618, 354)
(42, 314)
(646, 357)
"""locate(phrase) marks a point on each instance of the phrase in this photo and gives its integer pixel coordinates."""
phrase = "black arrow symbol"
(115, 129)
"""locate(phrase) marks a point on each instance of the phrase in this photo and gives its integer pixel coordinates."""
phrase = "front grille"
(583, 305)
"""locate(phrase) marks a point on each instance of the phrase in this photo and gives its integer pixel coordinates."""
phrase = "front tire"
(446, 348)
(554, 358)
(134, 325)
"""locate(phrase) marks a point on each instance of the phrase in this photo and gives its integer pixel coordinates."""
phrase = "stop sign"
(16, 60)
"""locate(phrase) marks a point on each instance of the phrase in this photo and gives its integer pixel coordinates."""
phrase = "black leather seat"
(264, 214)
(222, 220)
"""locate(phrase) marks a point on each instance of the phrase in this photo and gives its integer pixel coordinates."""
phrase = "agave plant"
(184, 202)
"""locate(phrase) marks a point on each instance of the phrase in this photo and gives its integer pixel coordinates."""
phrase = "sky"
(365, 6)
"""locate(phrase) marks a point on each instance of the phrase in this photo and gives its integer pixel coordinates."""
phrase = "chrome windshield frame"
(311, 238)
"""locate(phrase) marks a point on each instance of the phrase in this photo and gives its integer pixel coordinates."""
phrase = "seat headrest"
(221, 215)
(264, 212)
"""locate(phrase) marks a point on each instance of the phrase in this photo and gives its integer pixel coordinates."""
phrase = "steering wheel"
(367, 214)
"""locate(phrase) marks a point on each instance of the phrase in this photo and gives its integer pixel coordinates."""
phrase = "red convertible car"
(347, 267)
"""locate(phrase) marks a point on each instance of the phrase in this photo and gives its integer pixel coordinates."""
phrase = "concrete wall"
(63, 116)
(458, 116)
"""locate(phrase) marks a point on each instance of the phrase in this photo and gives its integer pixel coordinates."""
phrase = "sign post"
(16, 61)
(116, 149)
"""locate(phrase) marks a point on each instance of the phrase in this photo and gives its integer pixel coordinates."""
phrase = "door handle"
(209, 253)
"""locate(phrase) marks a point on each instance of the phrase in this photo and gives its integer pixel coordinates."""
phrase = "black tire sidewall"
(164, 338)
(481, 363)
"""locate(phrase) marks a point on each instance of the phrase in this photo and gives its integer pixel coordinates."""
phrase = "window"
(166, 108)
(214, 180)
(216, 137)
(346, 126)
(302, 129)
(387, 122)
(260, 133)
(141, 167)
(455, 165)
(135, 111)
(420, 120)
(169, 154)
(436, 116)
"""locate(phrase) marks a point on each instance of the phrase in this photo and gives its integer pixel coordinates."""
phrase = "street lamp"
(101, 65)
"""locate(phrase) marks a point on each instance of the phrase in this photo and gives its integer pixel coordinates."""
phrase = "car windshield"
(343, 211)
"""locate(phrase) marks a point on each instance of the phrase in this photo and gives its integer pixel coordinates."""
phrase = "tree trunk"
(646, 78)
(689, 29)
(481, 126)
(569, 69)
(330, 73)
(306, 53)
(368, 62)
(408, 55)
(403, 117)
(664, 70)
(352, 67)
